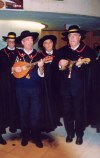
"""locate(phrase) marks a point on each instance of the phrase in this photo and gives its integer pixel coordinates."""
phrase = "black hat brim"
(5, 38)
(51, 37)
(81, 32)
(33, 34)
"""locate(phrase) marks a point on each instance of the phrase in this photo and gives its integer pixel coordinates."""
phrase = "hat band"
(11, 36)
(73, 30)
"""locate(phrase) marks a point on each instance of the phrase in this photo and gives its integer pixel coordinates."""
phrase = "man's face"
(28, 42)
(11, 43)
(74, 39)
(48, 45)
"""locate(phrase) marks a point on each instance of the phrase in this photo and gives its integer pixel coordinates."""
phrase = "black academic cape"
(50, 95)
(94, 94)
(82, 51)
(9, 115)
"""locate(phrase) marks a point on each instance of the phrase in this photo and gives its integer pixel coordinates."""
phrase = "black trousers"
(29, 105)
(73, 113)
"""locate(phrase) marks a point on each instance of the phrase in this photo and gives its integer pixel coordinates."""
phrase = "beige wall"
(58, 34)
(17, 27)
(91, 38)
(82, 7)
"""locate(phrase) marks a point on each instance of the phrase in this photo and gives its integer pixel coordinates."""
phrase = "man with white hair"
(28, 90)
(72, 63)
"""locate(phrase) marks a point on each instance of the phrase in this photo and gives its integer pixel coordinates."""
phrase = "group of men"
(53, 85)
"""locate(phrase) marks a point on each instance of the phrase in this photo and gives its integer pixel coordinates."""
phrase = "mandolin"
(71, 63)
(26, 67)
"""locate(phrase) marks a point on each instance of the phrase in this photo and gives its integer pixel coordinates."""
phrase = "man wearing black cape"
(50, 112)
(28, 89)
(75, 59)
(8, 105)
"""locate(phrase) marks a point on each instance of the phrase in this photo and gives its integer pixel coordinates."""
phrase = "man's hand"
(40, 63)
(79, 62)
(41, 66)
(63, 64)
(16, 69)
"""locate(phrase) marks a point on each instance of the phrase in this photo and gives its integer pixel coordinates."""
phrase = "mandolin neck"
(45, 59)
(32, 64)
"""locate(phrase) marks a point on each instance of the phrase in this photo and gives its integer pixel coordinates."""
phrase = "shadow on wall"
(2, 44)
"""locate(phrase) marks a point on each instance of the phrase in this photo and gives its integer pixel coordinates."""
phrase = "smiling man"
(72, 62)
(28, 90)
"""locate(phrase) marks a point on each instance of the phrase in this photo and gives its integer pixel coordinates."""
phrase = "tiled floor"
(54, 146)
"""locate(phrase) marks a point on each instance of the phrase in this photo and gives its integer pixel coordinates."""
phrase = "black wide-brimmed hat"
(46, 37)
(74, 29)
(27, 33)
(11, 35)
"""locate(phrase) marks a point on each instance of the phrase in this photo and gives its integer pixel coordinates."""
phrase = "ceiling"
(53, 21)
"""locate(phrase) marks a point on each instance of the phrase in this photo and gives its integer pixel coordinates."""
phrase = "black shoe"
(69, 139)
(79, 140)
(24, 141)
(2, 141)
(13, 130)
(38, 143)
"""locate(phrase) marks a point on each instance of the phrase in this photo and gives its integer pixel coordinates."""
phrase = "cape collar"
(81, 48)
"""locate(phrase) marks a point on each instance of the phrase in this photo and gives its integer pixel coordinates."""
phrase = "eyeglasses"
(11, 41)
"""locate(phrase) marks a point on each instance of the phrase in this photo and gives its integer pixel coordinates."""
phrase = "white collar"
(49, 53)
(28, 52)
(75, 47)
(11, 48)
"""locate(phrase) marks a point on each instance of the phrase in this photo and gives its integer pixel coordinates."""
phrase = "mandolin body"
(25, 68)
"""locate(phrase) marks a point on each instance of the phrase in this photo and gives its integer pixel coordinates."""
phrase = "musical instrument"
(26, 67)
(71, 63)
